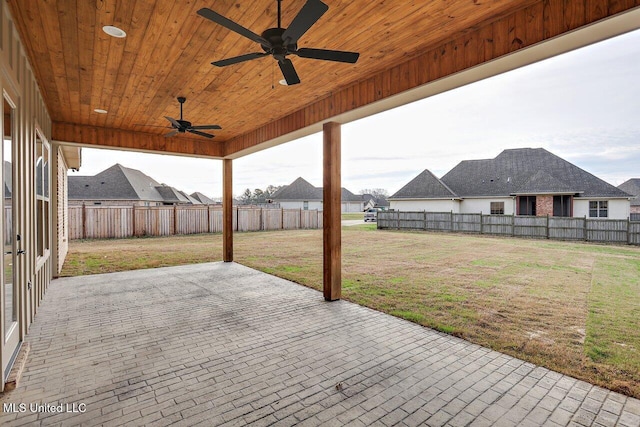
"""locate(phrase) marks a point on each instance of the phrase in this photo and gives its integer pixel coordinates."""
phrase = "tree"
(258, 196)
(271, 190)
(246, 197)
(378, 193)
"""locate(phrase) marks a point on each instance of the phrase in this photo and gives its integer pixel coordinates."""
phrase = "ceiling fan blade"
(173, 121)
(226, 22)
(170, 134)
(197, 132)
(328, 55)
(238, 59)
(289, 73)
(203, 127)
(308, 15)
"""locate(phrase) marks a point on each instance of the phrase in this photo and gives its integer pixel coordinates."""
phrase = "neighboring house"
(524, 181)
(202, 199)
(300, 194)
(632, 187)
(122, 186)
(372, 202)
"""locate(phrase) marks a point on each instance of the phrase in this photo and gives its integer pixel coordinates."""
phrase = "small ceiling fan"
(280, 42)
(182, 126)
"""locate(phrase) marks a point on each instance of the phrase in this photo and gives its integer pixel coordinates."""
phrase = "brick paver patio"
(221, 344)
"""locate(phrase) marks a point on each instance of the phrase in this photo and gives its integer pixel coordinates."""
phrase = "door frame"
(10, 343)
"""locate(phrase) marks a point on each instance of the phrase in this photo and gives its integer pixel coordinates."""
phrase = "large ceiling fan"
(182, 126)
(280, 42)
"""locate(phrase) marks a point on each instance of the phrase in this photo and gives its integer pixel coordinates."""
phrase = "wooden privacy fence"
(104, 222)
(560, 228)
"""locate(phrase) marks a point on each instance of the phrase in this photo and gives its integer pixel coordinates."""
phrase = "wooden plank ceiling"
(169, 48)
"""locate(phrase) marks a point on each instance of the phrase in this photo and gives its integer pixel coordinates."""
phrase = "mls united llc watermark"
(51, 408)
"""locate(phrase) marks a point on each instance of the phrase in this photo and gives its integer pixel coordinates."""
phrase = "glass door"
(11, 331)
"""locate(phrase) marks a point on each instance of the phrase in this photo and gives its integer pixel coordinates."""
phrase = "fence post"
(84, 221)
(282, 216)
(547, 226)
(629, 230)
(300, 221)
(451, 220)
(175, 219)
(585, 229)
(133, 220)
(513, 225)
(481, 224)
(425, 220)
(208, 218)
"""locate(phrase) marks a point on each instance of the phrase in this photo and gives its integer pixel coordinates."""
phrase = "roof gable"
(425, 186)
(299, 189)
(202, 198)
(632, 187)
(171, 195)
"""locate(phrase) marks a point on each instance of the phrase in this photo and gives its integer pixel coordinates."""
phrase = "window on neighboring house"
(305, 205)
(497, 208)
(42, 195)
(561, 205)
(598, 209)
(527, 205)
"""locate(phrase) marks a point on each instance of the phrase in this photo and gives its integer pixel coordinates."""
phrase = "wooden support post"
(227, 210)
(331, 189)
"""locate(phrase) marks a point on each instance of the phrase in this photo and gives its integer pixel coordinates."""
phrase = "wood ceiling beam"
(524, 28)
(100, 137)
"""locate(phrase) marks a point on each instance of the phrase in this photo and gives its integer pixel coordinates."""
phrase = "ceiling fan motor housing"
(277, 48)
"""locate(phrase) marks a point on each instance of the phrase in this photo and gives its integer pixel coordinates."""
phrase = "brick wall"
(544, 205)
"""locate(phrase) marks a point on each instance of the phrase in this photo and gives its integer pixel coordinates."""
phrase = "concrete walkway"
(221, 344)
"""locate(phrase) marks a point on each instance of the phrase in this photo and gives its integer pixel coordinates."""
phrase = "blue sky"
(582, 106)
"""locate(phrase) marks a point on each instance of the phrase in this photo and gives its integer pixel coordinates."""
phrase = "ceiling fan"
(280, 42)
(182, 126)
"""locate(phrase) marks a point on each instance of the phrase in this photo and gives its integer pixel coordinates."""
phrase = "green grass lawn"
(571, 307)
(353, 215)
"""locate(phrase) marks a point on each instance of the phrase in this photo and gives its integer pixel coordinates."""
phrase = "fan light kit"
(182, 126)
(280, 42)
(114, 31)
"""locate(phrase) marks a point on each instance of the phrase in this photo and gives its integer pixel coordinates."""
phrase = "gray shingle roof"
(542, 182)
(425, 186)
(300, 189)
(113, 183)
(202, 198)
(171, 195)
(632, 186)
(122, 183)
(518, 171)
